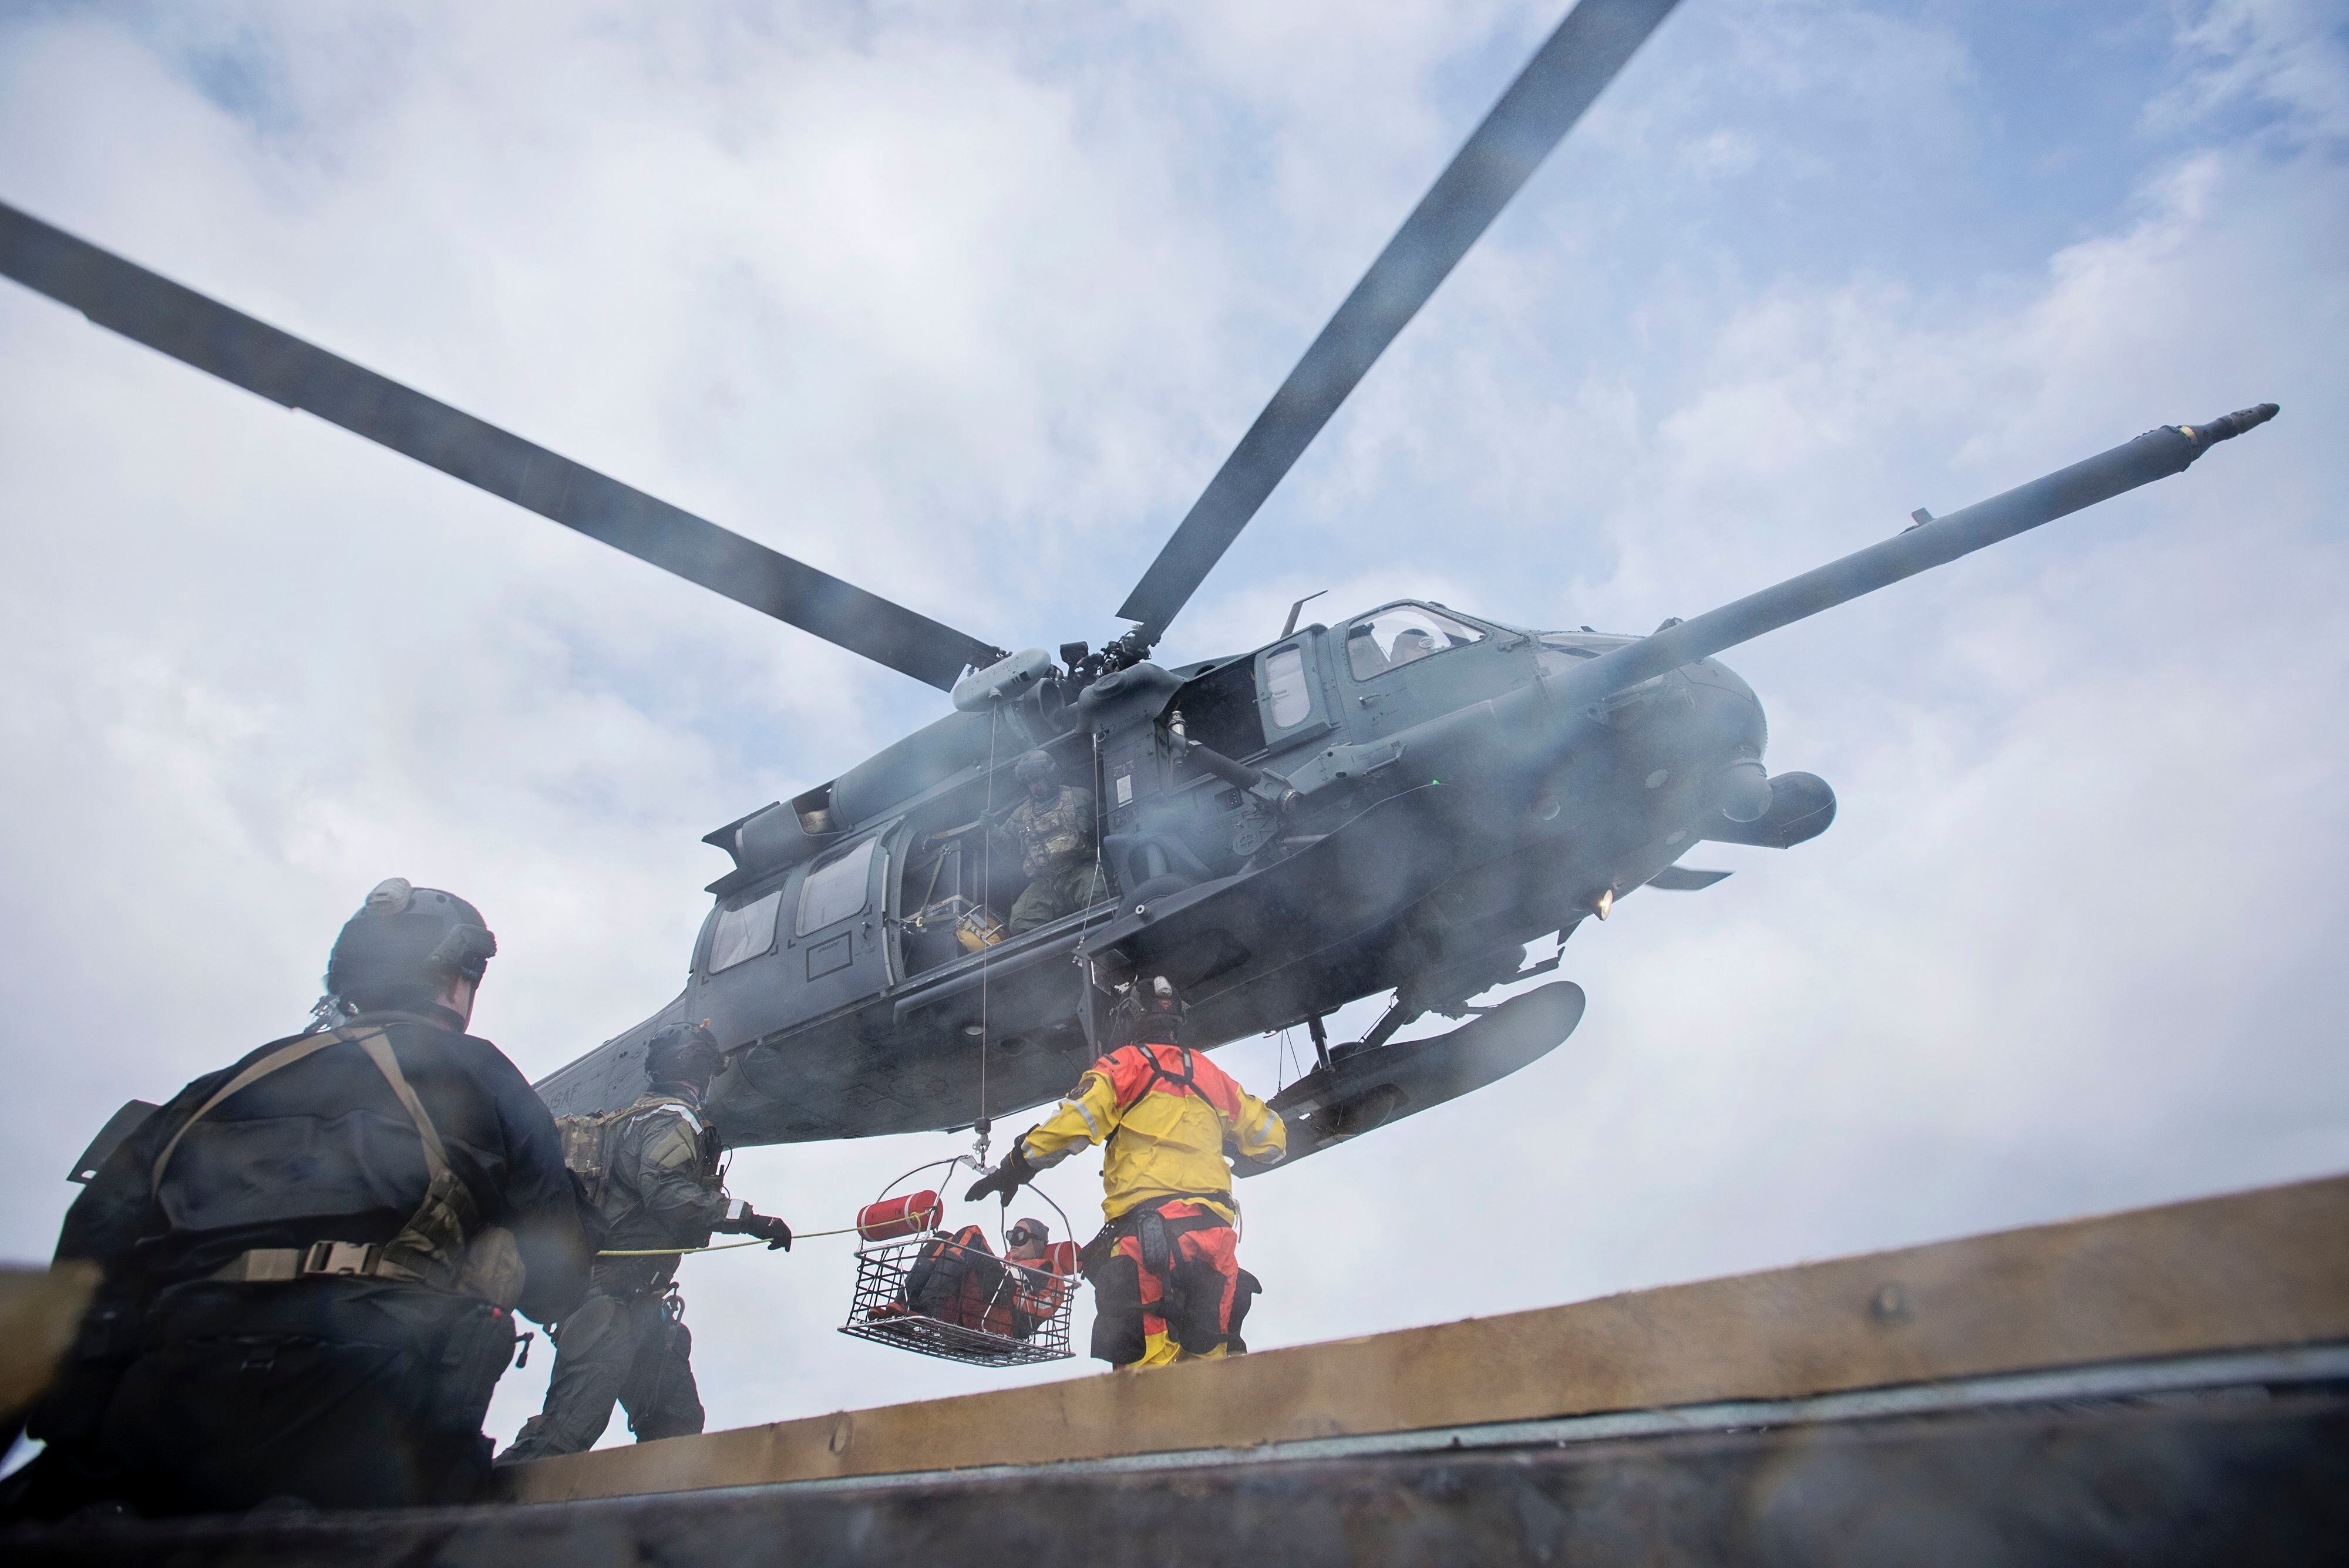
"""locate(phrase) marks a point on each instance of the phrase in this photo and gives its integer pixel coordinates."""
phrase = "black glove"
(1006, 1179)
(765, 1227)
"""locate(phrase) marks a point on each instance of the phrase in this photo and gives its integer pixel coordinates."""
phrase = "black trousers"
(627, 1349)
(341, 1392)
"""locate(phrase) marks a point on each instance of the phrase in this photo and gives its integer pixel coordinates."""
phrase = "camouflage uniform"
(628, 1341)
(1056, 853)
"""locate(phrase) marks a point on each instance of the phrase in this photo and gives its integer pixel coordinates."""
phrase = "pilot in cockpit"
(1411, 642)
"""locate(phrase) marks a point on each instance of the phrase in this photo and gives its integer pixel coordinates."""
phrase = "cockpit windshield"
(1400, 635)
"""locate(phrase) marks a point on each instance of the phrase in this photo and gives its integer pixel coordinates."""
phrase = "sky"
(964, 302)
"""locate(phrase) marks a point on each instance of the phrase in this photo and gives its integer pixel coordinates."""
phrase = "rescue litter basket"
(950, 1295)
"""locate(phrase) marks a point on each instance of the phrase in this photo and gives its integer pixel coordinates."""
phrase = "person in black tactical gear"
(313, 1257)
(660, 1194)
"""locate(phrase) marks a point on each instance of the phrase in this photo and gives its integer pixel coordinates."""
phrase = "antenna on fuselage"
(1292, 624)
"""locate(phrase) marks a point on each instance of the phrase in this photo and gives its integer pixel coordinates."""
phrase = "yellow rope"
(678, 1251)
(718, 1247)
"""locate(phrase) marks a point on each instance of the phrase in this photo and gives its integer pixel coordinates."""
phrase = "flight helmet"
(1154, 1012)
(682, 1053)
(405, 945)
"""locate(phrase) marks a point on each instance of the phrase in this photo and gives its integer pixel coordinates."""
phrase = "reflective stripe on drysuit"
(1164, 1112)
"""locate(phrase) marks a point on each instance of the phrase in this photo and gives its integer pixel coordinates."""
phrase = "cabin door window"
(1288, 694)
(744, 933)
(838, 888)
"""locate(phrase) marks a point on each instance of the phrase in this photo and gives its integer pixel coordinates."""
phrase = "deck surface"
(2169, 1385)
(2255, 1270)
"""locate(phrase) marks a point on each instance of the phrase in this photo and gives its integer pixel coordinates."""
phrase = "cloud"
(967, 308)
(2289, 57)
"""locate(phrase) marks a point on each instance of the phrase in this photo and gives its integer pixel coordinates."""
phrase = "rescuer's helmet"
(405, 945)
(1154, 1012)
(682, 1053)
(1036, 767)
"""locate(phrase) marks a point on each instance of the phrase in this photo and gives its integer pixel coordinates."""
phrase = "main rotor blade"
(1550, 95)
(1933, 542)
(153, 310)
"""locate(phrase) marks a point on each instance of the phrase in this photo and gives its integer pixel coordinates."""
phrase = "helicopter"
(1402, 801)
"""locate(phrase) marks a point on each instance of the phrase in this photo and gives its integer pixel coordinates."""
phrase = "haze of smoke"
(945, 307)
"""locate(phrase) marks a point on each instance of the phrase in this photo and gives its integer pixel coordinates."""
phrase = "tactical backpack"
(589, 1142)
(443, 1244)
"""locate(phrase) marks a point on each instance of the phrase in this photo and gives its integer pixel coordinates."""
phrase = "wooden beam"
(2263, 1269)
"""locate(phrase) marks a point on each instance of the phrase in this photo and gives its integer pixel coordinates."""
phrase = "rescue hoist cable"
(1084, 959)
(983, 1126)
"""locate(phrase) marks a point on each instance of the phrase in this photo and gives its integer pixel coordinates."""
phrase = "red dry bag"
(894, 1217)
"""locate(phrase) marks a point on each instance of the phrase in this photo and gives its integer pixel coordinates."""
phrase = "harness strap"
(284, 1056)
(447, 1203)
(437, 1235)
(1157, 1073)
(1186, 1077)
(1095, 1253)
(379, 1050)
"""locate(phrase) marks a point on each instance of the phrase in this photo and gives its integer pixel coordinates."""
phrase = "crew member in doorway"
(313, 1257)
(653, 1180)
(1054, 829)
(1167, 1284)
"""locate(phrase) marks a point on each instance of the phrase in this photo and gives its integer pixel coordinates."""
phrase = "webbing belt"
(262, 1265)
(1128, 1222)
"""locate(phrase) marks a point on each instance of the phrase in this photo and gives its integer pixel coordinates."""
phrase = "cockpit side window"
(1391, 639)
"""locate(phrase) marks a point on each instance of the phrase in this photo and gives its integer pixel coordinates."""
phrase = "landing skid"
(1370, 1085)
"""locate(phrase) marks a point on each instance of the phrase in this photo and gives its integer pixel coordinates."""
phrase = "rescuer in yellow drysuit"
(1166, 1279)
